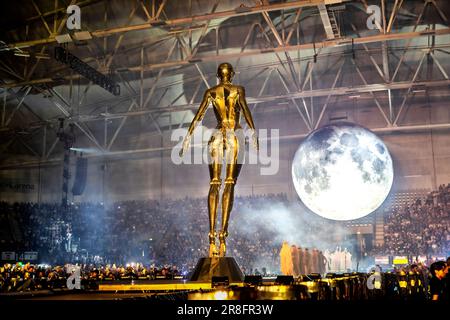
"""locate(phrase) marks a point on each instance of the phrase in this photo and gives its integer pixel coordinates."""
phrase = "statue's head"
(225, 72)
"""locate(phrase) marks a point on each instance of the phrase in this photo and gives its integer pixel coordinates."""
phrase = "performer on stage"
(347, 260)
(301, 263)
(327, 255)
(286, 263)
(228, 101)
(308, 262)
(315, 260)
(322, 263)
(295, 261)
(337, 260)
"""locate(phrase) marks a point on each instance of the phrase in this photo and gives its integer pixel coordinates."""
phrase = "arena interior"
(94, 93)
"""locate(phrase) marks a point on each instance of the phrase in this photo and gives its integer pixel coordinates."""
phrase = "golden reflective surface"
(228, 102)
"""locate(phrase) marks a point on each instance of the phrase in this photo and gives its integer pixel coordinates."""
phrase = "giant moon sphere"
(342, 171)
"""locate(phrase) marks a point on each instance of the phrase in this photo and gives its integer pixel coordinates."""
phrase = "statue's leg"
(215, 169)
(232, 172)
(213, 202)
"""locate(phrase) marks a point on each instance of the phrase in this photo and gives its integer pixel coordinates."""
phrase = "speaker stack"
(79, 183)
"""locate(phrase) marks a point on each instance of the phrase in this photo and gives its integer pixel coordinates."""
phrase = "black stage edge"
(217, 267)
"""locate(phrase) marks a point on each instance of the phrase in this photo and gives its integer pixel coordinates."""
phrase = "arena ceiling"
(307, 56)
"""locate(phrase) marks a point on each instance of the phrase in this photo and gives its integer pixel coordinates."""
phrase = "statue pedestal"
(217, 267)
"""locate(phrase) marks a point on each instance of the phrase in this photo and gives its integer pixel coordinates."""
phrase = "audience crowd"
(150, 231)
(23, 277)
(174, 232)
(420, 228)
(415, 281)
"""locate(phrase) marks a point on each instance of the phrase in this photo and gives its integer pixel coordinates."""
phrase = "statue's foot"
(213, 250)
(222, 249)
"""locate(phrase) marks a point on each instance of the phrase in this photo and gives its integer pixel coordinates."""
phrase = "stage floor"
(162, 289)
(159, 285)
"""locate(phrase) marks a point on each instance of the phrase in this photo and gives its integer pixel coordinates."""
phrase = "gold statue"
(228, 100)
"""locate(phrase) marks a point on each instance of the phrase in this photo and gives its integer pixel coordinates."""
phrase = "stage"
(349, 287)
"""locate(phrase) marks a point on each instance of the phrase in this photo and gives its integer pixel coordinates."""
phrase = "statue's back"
(225, 101)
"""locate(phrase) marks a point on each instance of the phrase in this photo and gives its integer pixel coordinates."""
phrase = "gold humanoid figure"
(228, 101)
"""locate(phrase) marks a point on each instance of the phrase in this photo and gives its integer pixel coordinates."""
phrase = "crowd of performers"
(295, 260)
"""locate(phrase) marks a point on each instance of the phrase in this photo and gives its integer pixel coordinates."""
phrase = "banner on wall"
(16, 186)
(400, 260)
(382, 260)
(422, 259)
(30, 256)
(438, 258)
(8, 255)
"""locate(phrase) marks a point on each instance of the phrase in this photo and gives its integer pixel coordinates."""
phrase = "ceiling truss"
(184, 53)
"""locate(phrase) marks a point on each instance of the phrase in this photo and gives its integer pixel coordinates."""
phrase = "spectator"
(438, 272)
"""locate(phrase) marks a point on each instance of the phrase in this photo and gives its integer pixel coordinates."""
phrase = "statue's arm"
(245, 109)
(200, 113)
(197, 118)
(248, 116)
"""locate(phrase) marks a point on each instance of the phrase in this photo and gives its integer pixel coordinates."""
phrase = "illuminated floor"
(161, 286)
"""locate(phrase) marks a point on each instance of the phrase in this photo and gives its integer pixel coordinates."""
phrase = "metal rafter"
(319, 45)
(306, 120)
(322, 111)
(122, 122)
(29, 148)
(40, 16)
(294, 25)
(337, 91)
(57, 11)
(409, 89)
(183, 21)
(67, 114)
(145, 103)
(372, 59)
(396, 8)
(263, 87)
(388, 122)
(318, 92)
(410, 40)
(256, 52)
(18, 106)
(120, 39)
(202, 75)
(439, 65)
(281, 43)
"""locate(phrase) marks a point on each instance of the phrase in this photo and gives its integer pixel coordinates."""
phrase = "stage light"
(82, 35)
(63, 38)
(220, 295)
